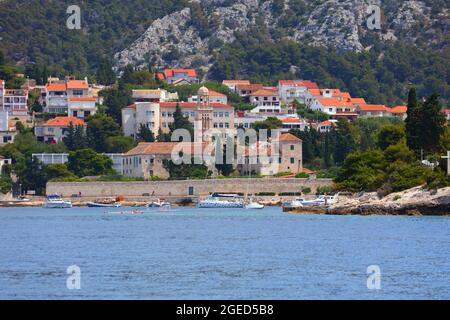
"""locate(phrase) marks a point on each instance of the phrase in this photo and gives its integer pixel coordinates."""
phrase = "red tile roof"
(56, 87)
(77, 84)
(2, 82)
(446, 111)
(64, 122)
(289, 137)
(358, 101)
(373, 107)
(213, 93)
(334, 102)
(291, 120)
(249, 86)
(299, 83)
(261, 93)
(399, 109)
(172, 72)
(165, 148)
(83, 99)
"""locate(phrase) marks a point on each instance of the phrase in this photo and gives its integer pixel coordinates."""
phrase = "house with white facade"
(14, 101)
(55, 129)
(265, 101)
(214, 97)
(7, 132)
(179, 76)
(232, 84)
(372, 110)
(58, 95)
(290, 90)
(153, 95)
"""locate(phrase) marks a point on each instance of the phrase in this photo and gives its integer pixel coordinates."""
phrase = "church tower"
(204, 116)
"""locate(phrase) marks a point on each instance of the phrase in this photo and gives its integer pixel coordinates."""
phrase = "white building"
(58, 95)
(265, 101)
(146, 113)
(55, 129)
(7, 133)
(290, 90)
(153, 95)
(232, 84)
(14, 101)
(214, 97)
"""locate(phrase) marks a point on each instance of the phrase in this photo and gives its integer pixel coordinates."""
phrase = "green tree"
(433, 121)
(413, 121)
(99, 129)
(105, 74)
(145, 134)
(119, 144)
(115, 99)
(181, 122)
(345, 140)
(58, 171)
(390, 135)
(87, 162)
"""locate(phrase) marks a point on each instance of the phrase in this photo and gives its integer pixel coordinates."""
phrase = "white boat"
(294, 204)
(103, 205)
(254, 205)
(322, 200)
(222, 201)
(55, 201)
(160, 203)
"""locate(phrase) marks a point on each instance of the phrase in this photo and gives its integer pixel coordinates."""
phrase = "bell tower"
(203, 118)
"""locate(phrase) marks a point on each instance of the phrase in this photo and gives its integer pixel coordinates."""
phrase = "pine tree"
(413, 122)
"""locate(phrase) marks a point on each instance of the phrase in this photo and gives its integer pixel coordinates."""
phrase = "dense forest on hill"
(35, 31)
(381, 75)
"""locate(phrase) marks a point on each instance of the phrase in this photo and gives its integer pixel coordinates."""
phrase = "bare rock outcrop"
(415, 201)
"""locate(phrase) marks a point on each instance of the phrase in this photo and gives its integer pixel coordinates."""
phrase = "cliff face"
(189, 37)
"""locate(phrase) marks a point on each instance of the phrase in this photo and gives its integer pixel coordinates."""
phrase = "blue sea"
(190, 253)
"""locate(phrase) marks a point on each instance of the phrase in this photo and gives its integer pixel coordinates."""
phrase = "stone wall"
(184, 188)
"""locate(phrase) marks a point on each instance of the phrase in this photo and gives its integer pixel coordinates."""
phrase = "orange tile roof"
(172, 72)
(399, 109)
(334, 102)
(56, 87)
(165, 148)
(299, 83)
(64, 122)
(446, 111)
(289, 137)
(358, 101)
(77, 84)
(315, 92)
(213, 93)
(373, 107)
(326, 123)
(290, 120)
(83, 99)
(2, 82)
(262, 92)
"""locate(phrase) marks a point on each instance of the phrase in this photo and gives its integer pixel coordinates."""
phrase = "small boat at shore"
(160, 203)
(216, 200)
(103, 205)
(254, 205)
(55, 201)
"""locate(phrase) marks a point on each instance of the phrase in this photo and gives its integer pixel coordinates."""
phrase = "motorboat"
(254, 205)
(294, 204)
(160, 203)
(103, 205)
(55, 201)
(216, 200)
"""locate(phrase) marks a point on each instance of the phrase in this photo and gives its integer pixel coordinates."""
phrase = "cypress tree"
(413, 122)
(433, 121)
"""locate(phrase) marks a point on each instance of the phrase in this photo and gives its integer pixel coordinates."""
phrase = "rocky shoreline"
(417, 201)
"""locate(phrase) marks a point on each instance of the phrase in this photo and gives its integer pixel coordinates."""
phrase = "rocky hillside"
(189, 37)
